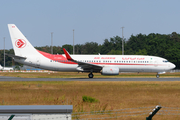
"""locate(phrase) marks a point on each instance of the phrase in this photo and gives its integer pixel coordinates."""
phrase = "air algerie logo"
(20, 43)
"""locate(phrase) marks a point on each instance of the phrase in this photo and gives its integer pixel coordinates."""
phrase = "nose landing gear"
(157, 76)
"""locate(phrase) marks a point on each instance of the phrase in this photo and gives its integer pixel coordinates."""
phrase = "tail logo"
(20, 43)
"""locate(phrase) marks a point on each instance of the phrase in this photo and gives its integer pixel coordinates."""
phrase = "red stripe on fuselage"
(61, 59)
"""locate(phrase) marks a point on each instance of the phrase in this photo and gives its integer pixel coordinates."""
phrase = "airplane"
(26, 54)
(6, 68)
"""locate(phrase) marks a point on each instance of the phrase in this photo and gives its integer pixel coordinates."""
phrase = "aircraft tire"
(157, 76)
(90, 75)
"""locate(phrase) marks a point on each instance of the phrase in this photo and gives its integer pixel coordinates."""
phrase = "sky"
(92, 20)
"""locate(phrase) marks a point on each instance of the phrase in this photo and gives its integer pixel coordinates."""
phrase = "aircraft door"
(155, 63)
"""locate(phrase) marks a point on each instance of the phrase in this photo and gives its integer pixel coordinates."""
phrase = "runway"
(5, 78)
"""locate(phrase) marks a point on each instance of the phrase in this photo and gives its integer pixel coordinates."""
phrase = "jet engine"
(110, 71)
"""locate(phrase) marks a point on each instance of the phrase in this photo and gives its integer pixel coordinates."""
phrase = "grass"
(110, 95)
(89, 99)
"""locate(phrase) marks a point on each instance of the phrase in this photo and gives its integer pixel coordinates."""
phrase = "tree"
(115, 43)
(115, 52)
(90, 48)
(141, 52)
(69, 48)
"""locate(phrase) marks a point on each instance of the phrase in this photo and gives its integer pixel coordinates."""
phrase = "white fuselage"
(125, 63)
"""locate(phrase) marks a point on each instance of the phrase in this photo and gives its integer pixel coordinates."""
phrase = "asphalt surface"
(5, 78)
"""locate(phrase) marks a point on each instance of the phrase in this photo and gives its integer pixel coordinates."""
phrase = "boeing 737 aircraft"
(26, 54)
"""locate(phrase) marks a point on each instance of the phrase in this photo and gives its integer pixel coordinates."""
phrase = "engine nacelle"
(110, 71)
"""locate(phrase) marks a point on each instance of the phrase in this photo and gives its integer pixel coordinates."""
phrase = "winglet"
(67, 54)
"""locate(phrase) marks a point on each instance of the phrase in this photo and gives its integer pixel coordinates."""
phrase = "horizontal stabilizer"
(15, 56)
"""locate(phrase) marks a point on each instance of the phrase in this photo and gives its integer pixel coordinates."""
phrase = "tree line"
(162, 45)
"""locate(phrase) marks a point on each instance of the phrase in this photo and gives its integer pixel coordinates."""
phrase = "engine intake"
(110, 71)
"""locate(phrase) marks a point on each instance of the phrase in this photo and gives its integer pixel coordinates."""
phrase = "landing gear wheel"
(157, 76)
(91, 75)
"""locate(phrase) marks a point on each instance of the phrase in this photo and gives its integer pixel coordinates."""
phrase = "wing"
(83, 66)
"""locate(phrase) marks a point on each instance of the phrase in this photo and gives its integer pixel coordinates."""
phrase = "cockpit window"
(165, 61)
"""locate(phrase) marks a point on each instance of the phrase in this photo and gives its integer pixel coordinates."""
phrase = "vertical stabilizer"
(22, 47)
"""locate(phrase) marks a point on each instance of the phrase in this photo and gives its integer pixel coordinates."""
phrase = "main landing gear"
(90, 75)
(157, 76)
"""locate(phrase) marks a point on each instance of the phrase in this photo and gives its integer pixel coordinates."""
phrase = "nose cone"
(172, 66)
